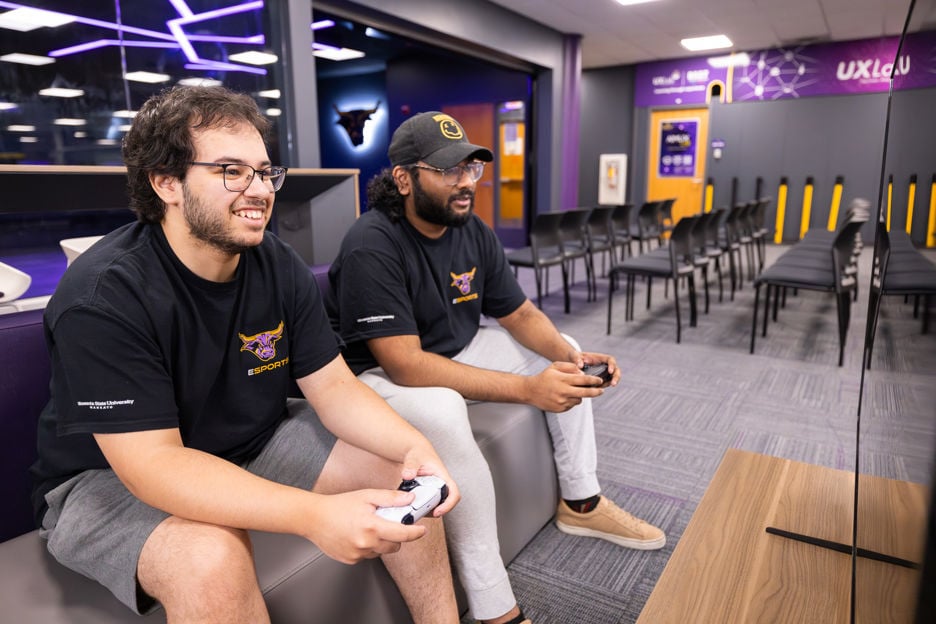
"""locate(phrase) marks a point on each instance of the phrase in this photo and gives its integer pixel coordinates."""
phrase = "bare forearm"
(478, 384)
(533, 329)
(191, 484)
(357, 415)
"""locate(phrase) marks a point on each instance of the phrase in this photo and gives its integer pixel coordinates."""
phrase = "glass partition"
(897, 411)
(73, 73)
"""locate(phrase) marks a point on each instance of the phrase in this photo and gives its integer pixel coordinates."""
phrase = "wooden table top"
(726, 568)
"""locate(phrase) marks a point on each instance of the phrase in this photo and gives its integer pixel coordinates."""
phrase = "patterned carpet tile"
(662, 431)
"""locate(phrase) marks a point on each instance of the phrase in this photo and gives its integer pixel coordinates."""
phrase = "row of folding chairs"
(560, 239)
(822, 261)
(708, 243)
(899, 269)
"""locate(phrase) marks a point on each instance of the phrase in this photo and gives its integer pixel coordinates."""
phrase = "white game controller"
(430, 492)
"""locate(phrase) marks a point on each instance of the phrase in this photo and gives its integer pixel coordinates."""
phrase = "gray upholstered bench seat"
(299, 582)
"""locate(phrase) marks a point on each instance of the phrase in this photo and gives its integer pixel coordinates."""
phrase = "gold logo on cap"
(449, 127)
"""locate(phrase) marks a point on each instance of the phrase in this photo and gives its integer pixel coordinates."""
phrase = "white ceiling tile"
(618, 35)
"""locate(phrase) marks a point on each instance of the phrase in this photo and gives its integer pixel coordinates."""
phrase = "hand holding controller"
(430, 492)
(598, 370)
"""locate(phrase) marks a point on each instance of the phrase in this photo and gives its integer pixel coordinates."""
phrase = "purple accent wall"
(571, 96)
(841, 68)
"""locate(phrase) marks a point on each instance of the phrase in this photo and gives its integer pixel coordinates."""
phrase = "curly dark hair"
(160, 139)
(382, 194)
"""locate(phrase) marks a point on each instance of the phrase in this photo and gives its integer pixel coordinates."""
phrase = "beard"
(208, 226)
(433, 211)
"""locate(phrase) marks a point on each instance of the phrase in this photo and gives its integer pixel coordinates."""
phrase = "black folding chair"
(621, 228)
(601, 235)
(828, 271)
(573, 232)
(672, 261)
(544, 251)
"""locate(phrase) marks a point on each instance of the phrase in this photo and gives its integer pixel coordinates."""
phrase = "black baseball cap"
(434, 138)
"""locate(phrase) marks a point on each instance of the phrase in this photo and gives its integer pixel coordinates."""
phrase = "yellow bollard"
(781, 209)
(807, 207)
(890, 198)
(911, 197)
(836, 203)
(709, 194)
(931, 226)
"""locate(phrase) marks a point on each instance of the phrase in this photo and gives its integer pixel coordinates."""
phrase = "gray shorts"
(96, 527)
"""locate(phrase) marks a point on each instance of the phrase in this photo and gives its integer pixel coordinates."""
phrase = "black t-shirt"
(390, 280)
(138, 342)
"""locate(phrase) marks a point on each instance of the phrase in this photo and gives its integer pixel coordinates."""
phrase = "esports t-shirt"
(390, 280)
(138, 342)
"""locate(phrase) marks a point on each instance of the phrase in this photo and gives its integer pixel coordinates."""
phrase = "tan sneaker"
(609, 522)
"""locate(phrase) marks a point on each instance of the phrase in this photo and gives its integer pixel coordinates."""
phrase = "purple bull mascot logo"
(463, 282)
(263, 344)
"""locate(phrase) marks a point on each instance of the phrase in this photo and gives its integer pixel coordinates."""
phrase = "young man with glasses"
(174, 341)
(411, 281)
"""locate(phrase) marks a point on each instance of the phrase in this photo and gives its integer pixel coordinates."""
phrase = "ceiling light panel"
(147, 77)
(710, 42)
(254, 58)
(61, 92)
(335, 54)
(25, 19)
(26, 59)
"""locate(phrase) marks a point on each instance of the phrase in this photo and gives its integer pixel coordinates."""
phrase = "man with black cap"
(408, 288)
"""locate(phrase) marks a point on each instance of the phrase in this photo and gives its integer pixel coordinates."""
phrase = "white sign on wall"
(612, 179)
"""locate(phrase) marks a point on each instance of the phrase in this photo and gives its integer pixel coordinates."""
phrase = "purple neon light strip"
(218, 65)
(179, 38)
(252, 40)
(103, 43)
(101, 24)
(175, 27)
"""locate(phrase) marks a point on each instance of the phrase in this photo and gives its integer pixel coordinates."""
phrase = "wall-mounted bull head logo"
(353, 122)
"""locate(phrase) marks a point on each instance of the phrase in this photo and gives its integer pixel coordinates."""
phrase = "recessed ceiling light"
(70, 121)
(630, 2)
(80, 134)
(29, 140)
(148, 77)
(61, 92)
(274, 112)
(20, 128)
(729, 60)
(711, 42)
(254, 58)
(26, 59)
(124, 127)
(199, 82)
(125, 114)
(335, 54)
(106, 142)
(273, 94)
(5, 106)
(375, 34)
(25, 19)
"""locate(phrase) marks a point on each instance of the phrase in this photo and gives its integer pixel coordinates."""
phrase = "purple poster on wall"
(678, 148)
(842, 68)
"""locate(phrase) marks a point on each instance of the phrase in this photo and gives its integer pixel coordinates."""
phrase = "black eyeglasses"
(452, 175)
(237, 177)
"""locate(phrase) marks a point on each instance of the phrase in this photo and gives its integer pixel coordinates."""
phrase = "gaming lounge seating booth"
(299, 582)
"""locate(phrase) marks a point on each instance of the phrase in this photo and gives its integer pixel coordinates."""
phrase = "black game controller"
(431, 491)
(598, 370)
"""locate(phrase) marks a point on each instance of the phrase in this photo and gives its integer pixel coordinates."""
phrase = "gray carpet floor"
(662, 432)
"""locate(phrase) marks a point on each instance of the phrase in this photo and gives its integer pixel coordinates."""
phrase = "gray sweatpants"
(442, 416)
